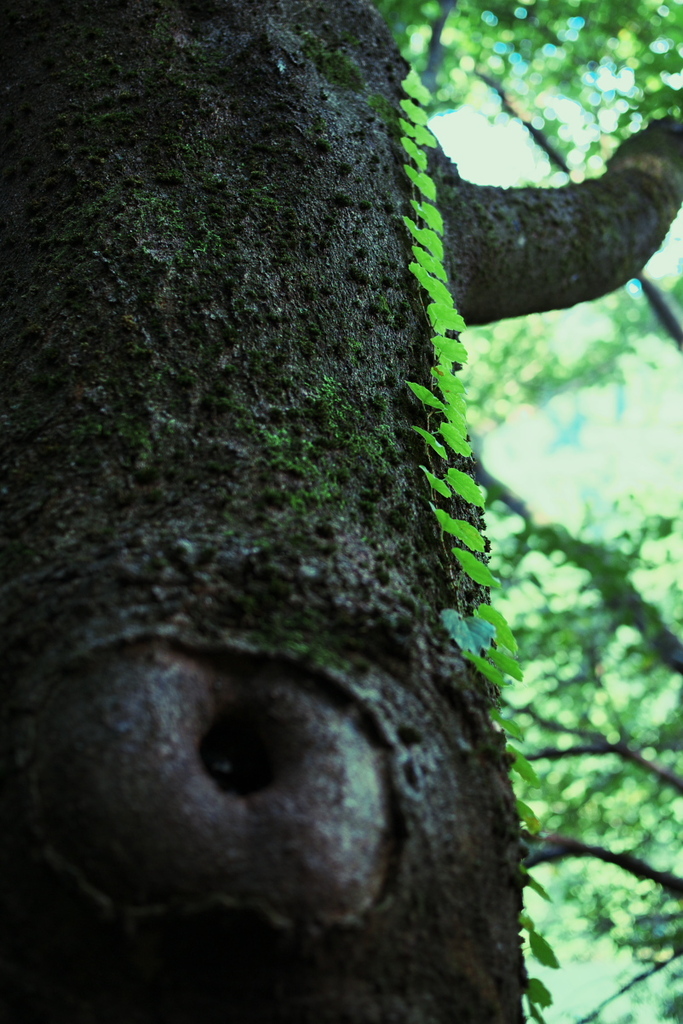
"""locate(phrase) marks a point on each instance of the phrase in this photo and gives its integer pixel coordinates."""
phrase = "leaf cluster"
(485, 638)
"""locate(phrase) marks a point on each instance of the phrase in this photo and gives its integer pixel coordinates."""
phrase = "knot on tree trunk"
(169, 781)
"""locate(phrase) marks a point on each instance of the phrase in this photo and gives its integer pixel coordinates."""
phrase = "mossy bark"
(215, 526)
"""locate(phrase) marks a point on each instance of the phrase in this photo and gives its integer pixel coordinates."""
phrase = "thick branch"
(533, 249)
(500, 491)
(658, 302)
(558, 847)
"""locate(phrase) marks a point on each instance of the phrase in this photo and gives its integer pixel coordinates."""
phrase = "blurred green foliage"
(613, 65)
(597, 605)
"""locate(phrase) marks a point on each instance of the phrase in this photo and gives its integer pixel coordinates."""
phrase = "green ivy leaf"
(507, 664)
(538, 993)
(456, 412)
(455, 415)
(438, 291)
(486, 668)
(464, 485)
(425, 237)
(429, 214)
(535, 1012)
(432, 442)
(461, 529)
(450, 348)
(412, 150)
(445, 376)
(422, 136)
(475, 569)
(425, 395)
(534, 884)
(414, 87)
(507, 724)
(413, 112)
(421, 181)
(504, 635)
(523, 768)
(408, 128)
(436, 483)
(445, 318)
(452, 395)
(465, 631)
(542, 950)
(429, 263)
(528, 817)
(454, 439)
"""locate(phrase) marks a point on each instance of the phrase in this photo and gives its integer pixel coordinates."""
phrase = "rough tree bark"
(247, 777)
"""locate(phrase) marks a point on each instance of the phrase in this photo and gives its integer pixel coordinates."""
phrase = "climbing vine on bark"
(485, 638)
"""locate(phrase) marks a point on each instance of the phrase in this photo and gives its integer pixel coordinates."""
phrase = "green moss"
(134, 432)
(333, 64)
(386, 111)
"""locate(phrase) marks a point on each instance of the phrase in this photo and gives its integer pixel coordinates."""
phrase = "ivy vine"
(485, 638)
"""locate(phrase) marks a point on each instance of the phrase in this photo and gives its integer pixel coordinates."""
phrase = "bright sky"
(486, 153)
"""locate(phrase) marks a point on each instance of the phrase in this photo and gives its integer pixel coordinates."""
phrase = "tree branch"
(518, 251)
(664, 773)
(501, 492)
(643, 976)
(624, 598)
(553, 726)
(435, 56)
(513, 109)
(621, 749)
(565, 846)
(662, 309)
(658, 302)
(557, 753)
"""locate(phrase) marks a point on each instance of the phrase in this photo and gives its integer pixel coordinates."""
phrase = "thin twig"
(625, 600)
(435, 56)
(662, 309)
(621, 749)
(512, 108)
(565, 846)
(643, 976)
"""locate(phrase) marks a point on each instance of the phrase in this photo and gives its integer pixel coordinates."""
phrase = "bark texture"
(247, 778)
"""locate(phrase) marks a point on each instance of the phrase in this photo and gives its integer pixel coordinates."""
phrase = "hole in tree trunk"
(235, 756)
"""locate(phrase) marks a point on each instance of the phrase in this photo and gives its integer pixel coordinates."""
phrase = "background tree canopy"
(594, 596)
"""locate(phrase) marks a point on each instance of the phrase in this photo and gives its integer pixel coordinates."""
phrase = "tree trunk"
(247, 776)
